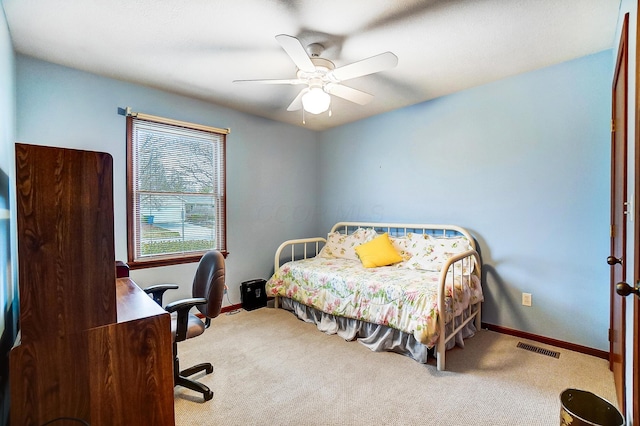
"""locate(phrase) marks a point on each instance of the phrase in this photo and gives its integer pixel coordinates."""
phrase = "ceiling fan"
(322, 78)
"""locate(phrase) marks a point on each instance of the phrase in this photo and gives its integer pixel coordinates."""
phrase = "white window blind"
(177, 190)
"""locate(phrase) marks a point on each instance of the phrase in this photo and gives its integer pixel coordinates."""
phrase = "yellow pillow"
(378, 252)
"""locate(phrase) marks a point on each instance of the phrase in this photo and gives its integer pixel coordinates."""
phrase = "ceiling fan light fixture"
(321, 79)
(316, 101)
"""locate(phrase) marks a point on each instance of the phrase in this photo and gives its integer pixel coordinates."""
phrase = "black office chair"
(208, 290)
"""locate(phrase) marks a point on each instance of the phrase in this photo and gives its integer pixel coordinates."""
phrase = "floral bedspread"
(401, 298)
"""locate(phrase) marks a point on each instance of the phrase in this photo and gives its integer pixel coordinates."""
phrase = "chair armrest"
(157, 291)
(185, 304)
(182, 308)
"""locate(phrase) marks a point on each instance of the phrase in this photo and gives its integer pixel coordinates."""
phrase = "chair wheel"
(208, 395)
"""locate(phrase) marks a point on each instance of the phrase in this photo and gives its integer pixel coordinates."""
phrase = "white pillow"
(408, 245)
(432, 253)
(343, 246)
(402, 246)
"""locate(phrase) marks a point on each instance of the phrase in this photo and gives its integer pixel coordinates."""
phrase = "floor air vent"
(538, 350)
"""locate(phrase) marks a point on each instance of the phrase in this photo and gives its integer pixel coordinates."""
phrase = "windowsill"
(167, 261)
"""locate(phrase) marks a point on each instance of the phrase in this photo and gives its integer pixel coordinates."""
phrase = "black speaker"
(253, 295)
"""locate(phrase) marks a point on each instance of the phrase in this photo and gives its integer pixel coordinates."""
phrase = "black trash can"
(253, 295)
(585, 408)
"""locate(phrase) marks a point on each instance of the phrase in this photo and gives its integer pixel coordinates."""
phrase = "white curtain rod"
(148, 117)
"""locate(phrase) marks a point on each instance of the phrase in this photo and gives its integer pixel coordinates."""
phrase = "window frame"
(169, 259)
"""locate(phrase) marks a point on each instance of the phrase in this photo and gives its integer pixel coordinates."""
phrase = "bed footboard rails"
(302, 248)
(452, 269)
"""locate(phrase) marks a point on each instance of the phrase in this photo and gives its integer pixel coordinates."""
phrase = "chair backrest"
(209, 283)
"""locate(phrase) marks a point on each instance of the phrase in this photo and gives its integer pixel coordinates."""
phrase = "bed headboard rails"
(400, 229)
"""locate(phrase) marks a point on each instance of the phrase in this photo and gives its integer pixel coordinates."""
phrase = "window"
(176, 207)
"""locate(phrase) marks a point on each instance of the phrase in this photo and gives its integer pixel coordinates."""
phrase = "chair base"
(181, 378)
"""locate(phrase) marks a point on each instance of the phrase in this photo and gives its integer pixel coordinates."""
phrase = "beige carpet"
(271, 368)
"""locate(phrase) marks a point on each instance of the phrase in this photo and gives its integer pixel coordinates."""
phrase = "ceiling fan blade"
(297, 102)
(296, 51)
(367, 66)
(283, 81)
(349, 93)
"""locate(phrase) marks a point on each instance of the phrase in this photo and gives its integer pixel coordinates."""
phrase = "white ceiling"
(198, 47)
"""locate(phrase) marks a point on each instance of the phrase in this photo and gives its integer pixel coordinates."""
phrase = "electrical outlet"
(526, 299)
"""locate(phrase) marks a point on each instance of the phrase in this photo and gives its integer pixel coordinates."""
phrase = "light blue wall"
(8, 98)
(8, 279)
(271, 167)
(523, 163)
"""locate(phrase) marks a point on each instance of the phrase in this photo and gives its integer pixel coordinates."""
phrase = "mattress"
(400, 298)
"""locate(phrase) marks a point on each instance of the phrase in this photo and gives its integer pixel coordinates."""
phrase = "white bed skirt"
(376, 337)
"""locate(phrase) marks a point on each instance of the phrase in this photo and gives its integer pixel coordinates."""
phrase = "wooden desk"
(131, 363)
(132, 303)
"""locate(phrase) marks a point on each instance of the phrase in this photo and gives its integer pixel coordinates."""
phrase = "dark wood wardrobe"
(92, 349)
